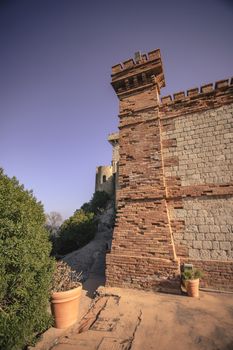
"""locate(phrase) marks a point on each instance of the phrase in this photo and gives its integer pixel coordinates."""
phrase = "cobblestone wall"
(204, 147)
(207, 229)
(201, 145)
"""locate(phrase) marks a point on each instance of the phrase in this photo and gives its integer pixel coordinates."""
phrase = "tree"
(80, 228)
(99, 201)
(76, 231)
(25, 266)
(53, 221)
(86, 207)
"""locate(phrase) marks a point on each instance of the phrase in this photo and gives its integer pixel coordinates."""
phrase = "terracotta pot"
(65, 307)
(192, 287)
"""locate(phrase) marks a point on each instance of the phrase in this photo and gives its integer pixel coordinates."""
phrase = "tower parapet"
(142, 77)
(135, 74)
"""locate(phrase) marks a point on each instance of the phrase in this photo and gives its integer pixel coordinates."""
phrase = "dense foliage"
(97, 203)
(80, 228)
(76, 231)
(25, 266)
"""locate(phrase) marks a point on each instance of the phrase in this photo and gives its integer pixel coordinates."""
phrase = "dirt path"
(90, 259)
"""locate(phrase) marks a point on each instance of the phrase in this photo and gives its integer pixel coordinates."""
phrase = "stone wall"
(207, 230)
(202, 147)
(175, 180)
(197, 151)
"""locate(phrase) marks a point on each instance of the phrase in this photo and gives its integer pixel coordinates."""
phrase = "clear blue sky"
(56, 103)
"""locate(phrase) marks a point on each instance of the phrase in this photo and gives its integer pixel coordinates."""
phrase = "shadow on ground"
(92, 284)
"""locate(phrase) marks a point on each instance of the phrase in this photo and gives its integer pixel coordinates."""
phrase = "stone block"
(220, 237)
(215, 255)
(214, 229)
(205, 254)
(209, 236)
(192, 228)
(200, 236)
(194, 253)
(207, 244)
(225, 228)
(204, 228)
(225, 245)
(197, 244)
(215, 245)
(189, 236)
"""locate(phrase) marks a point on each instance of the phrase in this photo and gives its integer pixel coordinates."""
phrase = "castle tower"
(143, 253)
(104, 179)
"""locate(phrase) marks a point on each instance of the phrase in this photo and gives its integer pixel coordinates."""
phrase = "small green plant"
(191, 274)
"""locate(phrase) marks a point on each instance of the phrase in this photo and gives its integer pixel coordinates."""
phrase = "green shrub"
(25, 266)
(76, 231)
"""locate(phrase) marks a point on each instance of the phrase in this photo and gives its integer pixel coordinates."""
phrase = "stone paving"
(123, 319)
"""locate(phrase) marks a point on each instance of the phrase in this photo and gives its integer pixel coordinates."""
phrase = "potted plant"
(191, 278)
(65, 296)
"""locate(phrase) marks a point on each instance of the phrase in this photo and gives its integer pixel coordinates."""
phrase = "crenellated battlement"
(135, 74)
(131, 63)
(191, 94)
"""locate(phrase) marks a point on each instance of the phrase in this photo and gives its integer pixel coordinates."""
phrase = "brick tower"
(143, 253)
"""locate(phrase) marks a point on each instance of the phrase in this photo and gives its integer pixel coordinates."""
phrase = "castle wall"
(175, 200)
(198, 151)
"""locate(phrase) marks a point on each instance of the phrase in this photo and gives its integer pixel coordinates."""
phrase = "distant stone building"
(107, 175)
(175, 180)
